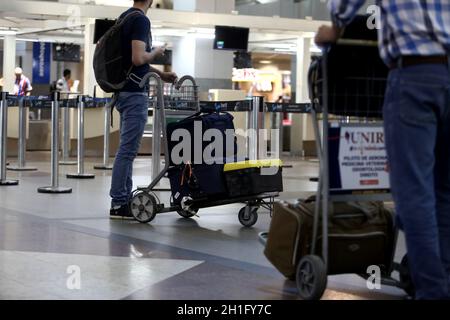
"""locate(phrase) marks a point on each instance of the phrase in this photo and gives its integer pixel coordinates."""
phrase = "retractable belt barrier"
(255, 108)
(41, 102)
(288, 107)
(107, 131)
(55, 188)
(88, 102)
(24, 102)
(65, 122)
(22, 142)
(81, 102)
(226, 106)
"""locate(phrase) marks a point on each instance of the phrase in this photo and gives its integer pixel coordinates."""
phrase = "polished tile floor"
(66, 247)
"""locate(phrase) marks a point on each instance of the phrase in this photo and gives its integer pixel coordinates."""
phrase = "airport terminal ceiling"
(31, 22)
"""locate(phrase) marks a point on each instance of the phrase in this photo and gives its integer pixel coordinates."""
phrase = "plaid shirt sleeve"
(343, 11)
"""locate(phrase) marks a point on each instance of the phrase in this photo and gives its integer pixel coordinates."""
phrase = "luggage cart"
(144, 203)
(347, 98)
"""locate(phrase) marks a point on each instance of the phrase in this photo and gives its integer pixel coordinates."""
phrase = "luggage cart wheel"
(188, 214)
(405, 277)
(143, 207)
(248, 216)
(311, 278)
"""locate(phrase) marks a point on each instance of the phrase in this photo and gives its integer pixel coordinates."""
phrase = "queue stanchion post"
(80, 145)
(22, 143)
(55, 188)
(65, 152)
(107, 131)
(253, 136)
(277, 124)
(156, 145)
(3, 140)
(261, 125)
(248, 122)
(280, 122)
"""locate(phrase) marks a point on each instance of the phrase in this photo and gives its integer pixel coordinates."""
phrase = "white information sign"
(362, 158)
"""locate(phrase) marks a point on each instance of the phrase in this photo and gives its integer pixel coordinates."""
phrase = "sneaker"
(120, 212)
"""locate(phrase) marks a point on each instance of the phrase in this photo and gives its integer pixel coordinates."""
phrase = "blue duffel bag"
(223, 122)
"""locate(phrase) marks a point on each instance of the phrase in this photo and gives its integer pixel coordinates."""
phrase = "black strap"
(112, 104)
(122, 20)
(188, 177)
(115, 96)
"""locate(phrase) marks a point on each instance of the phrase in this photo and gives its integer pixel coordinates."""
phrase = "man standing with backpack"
(415, 44)
(132, 102)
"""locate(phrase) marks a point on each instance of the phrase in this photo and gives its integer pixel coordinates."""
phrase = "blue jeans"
(417, 127)
(133, 109)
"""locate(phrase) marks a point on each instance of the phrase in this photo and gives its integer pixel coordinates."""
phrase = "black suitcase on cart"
(201, 181)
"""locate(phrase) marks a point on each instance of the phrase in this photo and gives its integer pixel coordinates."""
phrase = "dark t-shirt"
(136, 28)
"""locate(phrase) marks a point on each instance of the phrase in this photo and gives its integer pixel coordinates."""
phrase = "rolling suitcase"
(360, 235)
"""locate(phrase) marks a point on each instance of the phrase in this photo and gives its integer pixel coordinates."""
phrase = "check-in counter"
(13, 130)
(39, 132)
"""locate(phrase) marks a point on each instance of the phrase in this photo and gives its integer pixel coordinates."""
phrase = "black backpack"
(109, 67)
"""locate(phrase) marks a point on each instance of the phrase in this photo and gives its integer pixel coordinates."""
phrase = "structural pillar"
(301, 125)
(9, 62)
(89, 48)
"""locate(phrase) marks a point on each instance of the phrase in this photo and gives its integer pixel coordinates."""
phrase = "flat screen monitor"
(66, 52)
(231, 38)
(101, 27)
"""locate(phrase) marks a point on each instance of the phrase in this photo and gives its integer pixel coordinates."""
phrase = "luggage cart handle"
(183, 79)
(147, 77)
(194, 86)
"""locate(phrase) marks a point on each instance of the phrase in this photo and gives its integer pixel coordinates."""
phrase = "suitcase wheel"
(248, 216)
(311, 278)
(143, 206)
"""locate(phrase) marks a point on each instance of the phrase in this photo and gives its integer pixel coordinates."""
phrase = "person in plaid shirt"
(414, 42)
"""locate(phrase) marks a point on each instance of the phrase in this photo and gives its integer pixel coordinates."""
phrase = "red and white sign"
(362, 158)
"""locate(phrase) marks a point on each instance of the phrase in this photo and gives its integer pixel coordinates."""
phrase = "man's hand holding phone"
(159, 51)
